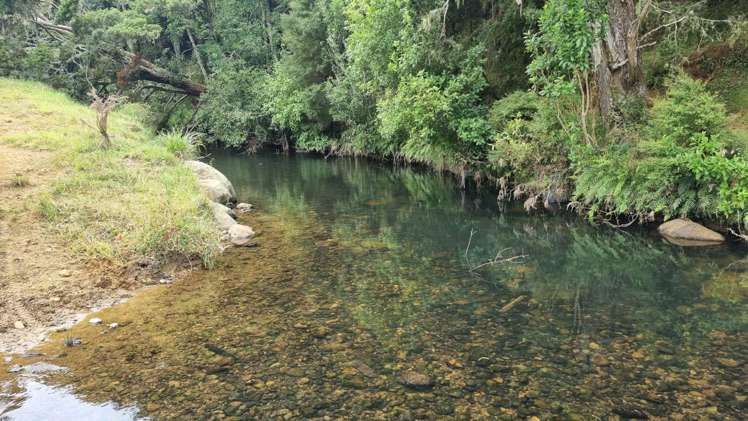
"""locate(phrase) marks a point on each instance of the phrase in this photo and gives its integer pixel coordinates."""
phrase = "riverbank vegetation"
(127, 201)
(632, 111)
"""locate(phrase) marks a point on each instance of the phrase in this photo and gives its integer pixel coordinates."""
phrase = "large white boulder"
(685, 232)
(216, 186)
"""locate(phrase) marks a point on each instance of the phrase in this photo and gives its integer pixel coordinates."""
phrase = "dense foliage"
(543, 97)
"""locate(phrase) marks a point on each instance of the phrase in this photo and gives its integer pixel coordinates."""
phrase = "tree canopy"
(522, 92)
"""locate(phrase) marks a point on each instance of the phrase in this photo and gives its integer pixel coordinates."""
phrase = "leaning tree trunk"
(617, 59)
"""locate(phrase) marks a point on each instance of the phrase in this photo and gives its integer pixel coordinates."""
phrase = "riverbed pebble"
(244, 208)
(416, 380)
(95, 321)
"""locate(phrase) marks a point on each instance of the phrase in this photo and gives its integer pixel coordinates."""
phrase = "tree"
(617, 54)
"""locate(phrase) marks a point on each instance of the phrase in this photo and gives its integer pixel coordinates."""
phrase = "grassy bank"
(134, 199)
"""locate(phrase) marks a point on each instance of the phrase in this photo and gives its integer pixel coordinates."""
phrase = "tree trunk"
(142, 69)
(617, 59)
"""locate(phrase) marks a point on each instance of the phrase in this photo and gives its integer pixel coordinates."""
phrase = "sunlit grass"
(131, 200)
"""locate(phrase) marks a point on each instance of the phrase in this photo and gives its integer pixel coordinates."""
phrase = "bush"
(232, 108)
(530, 149)
(517, 105)
(438, 119)
(685, 166)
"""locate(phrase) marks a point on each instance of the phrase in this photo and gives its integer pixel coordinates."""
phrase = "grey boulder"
(215, 185)
(684, 232)
(240, 235)
(224, 216)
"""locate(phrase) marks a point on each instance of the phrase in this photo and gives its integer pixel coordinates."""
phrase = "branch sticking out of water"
(498, 259)
(467, 249)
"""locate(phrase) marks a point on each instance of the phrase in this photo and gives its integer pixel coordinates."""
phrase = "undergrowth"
(684, 162)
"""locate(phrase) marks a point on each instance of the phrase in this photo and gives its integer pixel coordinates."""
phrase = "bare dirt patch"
(43, 284)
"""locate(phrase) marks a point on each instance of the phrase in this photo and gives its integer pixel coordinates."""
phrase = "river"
(376, 292)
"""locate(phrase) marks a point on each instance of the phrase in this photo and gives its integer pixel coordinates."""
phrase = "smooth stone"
(416, 380)
(240, 235)
(222, 215)
(244, 208)
(728, 362)
(19, 325)
(65, 273)
(214, 184)
(113, 325)
(95, 321)
(684, 232)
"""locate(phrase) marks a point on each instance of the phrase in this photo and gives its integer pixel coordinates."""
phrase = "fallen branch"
(741, 236)
(139, 68)
(499, 259)
(512, 303)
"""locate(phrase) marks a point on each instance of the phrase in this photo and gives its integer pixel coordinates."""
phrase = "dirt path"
(43, 285)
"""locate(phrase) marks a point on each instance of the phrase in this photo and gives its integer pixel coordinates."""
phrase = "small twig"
(467, 249)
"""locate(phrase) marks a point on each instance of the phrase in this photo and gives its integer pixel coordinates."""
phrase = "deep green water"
(363, 273)
(411, 228)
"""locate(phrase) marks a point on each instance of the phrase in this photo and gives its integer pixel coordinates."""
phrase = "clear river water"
(376, 292)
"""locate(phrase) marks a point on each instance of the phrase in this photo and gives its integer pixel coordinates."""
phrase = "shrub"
(684, 166)
(530, 149)
(519, 104)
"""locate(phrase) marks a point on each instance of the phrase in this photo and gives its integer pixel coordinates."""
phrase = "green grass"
(134, 199)
(20, 180)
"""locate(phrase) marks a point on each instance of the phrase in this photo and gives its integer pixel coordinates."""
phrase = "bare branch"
(103, 106)
(661, 27)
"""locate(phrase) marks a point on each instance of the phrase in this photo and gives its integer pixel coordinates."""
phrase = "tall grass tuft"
(181, 145)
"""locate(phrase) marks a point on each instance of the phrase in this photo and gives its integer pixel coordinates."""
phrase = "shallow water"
(29, 399)
(363, 275)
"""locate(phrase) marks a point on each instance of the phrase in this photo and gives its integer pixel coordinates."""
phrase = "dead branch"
(139, 68)
(103, 106)
(499, 259)
(511, 304)
(739, 235)
(467, 249)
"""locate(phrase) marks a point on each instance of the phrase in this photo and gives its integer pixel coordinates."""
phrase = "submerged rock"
(244, 208)
(684, 232)
(215, 185)
(416, 380)
(240, 235)
(222, 215)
